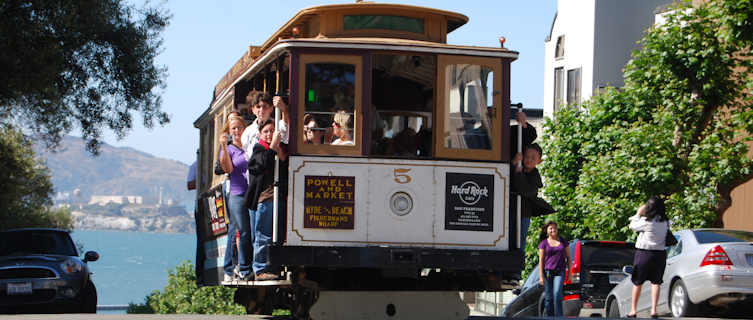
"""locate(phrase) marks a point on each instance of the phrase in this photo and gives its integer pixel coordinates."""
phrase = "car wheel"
(679, 302)
(89, 298)
(613, 310)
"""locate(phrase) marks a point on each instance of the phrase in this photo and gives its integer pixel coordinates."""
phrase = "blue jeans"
(231, 252)
(240, 220)
(263, 236)
(525, 223)
(553, 292)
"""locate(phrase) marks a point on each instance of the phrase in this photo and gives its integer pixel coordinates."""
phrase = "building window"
(573, 86)
(559, 79)
(559, 51)
(383, 22)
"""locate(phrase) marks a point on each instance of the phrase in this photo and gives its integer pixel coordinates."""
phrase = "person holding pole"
(260, 195)
(522, 134)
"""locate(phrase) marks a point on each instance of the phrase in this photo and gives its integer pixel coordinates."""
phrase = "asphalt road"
(211, 317)
(132, 317)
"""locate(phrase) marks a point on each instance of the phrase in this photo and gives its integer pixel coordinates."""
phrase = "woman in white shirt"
(342, 125)
(651, 223)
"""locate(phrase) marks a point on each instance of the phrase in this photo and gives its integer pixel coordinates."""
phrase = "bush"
(183, 296)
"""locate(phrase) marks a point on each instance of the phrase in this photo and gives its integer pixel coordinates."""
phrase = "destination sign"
(329, 202)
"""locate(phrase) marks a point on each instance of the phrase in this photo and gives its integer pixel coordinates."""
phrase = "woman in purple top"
(234, 163)
(554, 259)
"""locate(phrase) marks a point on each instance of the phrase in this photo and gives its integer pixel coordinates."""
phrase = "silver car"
(709, 270)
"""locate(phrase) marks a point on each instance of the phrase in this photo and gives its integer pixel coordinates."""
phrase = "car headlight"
(71, 266)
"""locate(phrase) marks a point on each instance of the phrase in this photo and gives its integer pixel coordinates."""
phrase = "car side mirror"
(91, 256)
(628, 270)
(516, 291)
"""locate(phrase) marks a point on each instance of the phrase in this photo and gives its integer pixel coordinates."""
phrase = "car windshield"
(23, 242)
(712, 236)
(533, 278)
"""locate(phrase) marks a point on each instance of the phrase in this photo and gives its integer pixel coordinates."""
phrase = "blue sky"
(205, 38)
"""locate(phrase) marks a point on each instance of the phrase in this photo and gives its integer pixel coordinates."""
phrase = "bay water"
(133, 264)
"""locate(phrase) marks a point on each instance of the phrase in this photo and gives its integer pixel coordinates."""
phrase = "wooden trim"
(293, 126)
(505, 112)
(366, 103)
(495, 154)
(355, 150)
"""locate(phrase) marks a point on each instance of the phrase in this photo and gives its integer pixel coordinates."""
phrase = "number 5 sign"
(401, 175)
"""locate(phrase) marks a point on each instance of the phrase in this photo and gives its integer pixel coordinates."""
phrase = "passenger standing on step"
(260, 195)
(233, 162)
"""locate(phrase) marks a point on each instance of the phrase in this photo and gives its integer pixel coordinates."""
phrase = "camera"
(229, 139)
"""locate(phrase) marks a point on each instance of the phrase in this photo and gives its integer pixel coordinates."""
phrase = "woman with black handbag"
(652, 225)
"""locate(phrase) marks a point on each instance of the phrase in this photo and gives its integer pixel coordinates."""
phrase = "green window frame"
(385, 22)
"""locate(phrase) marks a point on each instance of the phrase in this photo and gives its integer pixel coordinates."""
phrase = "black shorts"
(649, 265)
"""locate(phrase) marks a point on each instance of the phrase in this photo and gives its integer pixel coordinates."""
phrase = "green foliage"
(25, 186)
(182, 296)
(281, 312)
(82, 63)
(678, 129)
(141, 308)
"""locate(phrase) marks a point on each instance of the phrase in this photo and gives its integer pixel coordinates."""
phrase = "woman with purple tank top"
(234, 163)
(554, 259)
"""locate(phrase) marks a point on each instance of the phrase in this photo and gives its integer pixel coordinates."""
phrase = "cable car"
(396, 184)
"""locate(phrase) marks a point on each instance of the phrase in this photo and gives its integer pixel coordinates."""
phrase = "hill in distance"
(117, 171)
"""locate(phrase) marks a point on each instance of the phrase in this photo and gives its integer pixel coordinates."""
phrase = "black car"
(40, 271)
(596, 268)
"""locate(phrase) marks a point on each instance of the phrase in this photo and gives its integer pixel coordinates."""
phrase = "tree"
(25, 186)
(84, 63)
(679, 128)
(181, 295)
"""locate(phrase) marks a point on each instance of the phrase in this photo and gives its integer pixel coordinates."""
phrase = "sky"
(205, 38)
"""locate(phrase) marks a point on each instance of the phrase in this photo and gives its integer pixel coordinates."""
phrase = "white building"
(104, 200)
(589, 44)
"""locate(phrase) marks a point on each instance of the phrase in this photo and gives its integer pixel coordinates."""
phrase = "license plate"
(19, 288)
(616, 278)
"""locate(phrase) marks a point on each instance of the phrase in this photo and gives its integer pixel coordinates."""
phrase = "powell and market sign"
(470, 202)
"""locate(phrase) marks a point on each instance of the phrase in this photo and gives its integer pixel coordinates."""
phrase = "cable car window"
(469, 112)
(329, 114)
(468, 125)
(402, 99)
(385, 22)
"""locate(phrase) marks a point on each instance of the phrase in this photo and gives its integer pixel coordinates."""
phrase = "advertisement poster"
(217, 211)
(470, 202)
(329, 202)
